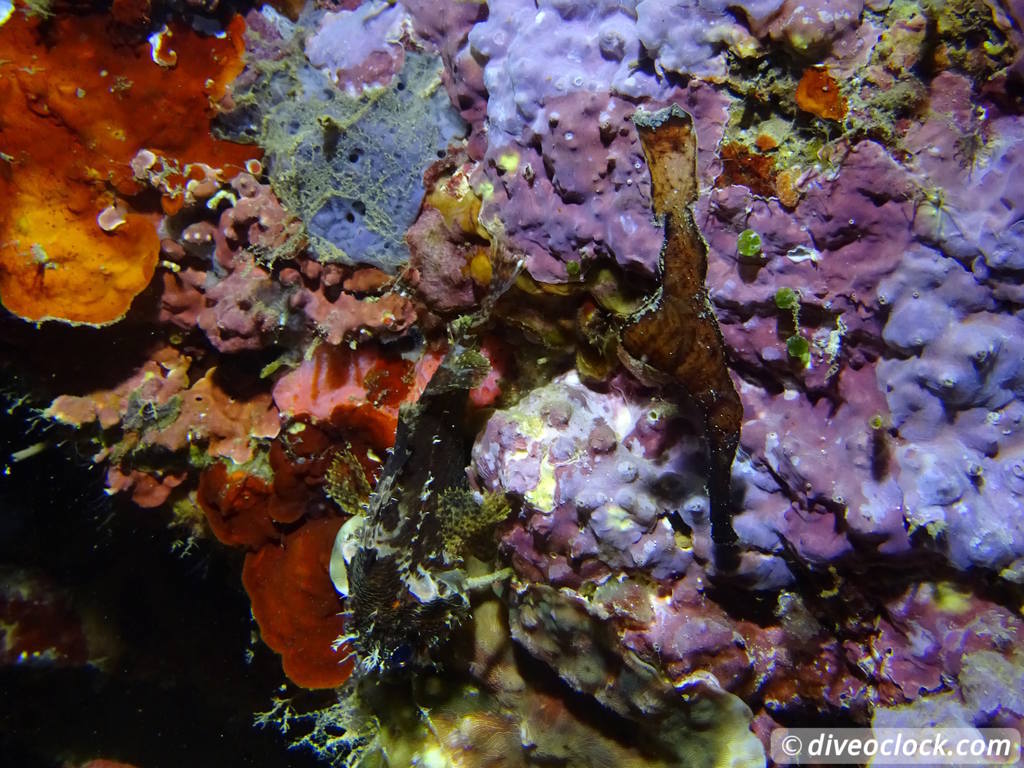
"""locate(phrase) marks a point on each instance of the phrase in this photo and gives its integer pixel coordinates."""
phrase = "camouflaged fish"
(405, 589)
(398, 566)
(406, 592)
(675, 339)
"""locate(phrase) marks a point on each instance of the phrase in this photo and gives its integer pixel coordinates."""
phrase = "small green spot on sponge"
(787, 298)
(799, 349)
(749, 244)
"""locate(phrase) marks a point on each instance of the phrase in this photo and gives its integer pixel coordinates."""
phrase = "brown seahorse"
(676, 333)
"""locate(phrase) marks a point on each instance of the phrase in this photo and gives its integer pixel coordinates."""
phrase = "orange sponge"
(818, 93)
(75, 108)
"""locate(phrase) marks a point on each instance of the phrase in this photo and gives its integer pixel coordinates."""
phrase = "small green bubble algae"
(749, 244)
(799, 348)
(787, 298)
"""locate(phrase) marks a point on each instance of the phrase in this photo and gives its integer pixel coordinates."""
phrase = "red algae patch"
(235, 504)
(296, 607)
(345, 387)
(75, 108)
(750, 169)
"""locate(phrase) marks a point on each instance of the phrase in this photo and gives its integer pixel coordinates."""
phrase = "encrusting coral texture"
(72, 248)
(645, 372)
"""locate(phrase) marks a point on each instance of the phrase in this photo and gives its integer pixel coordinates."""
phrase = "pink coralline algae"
(588, 170)
(227, 425)
(971, 208)
(898, 290)
(955, 399)
(236, 317)
(439, 264)
(807, 28)
(599, 476)
(822, 491)
(256, 222)
(244, 282)
(951, 636)
(157, 412)
(156, 382)
(359, 48)
(691, 38)
(339, 316)
(564, 145)
(846, 235)
(608, 493)
(582, 160)
(217, 283)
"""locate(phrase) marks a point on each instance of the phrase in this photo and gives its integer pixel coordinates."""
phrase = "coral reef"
(599, 476)
(156, 414)
(593, 154)
(614, 519)
(375, 58)
(579, 383)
